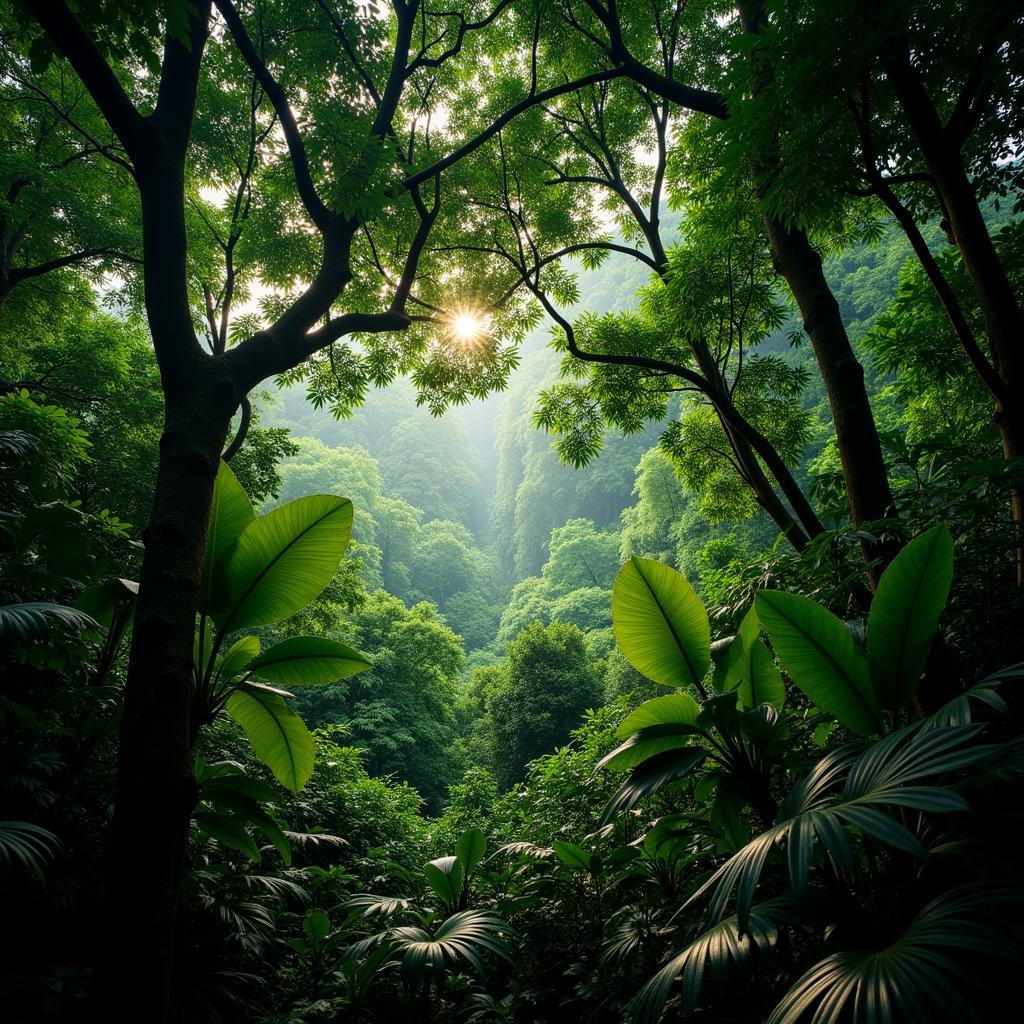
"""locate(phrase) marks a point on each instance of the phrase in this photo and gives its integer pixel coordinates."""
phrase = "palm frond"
(372, 905)
(921, 978)
(33, 621)
(460, 938)
(720, 949)
(26, 848)
(17, 444)
(887, 774)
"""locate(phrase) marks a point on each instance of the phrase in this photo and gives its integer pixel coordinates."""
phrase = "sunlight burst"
(467, 326)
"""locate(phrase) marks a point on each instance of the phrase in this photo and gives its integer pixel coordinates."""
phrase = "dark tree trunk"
(864, 473)
(156, 789)
(1004, 320)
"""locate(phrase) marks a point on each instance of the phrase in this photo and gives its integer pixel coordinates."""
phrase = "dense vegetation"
(511, 512)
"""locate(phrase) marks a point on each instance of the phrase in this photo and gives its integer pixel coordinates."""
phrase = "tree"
(699, 78)
(432, 464)
(402, 711)
(585, 146)
(647, 525)
(67, 201)
(547, 684)
(397, 524)
(323, 186)
(443, 562)
(529, 602)
(917, 120)
(580, 556)
(317, 469)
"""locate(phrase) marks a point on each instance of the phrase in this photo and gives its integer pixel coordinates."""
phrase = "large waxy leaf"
(239, 655)
(656, 772)
(229, 831)
(905, 614)
(316, 925)
(664, 723)
(230, 513)
(445, 877)
(279, 738)
(571, 855)
(647, 743)
(660, 624)
(672, 709)
(729, 657)
(308, 661)
(760, 680)
(820, 655)
(107, 600)
(470, 849)
(282, 561)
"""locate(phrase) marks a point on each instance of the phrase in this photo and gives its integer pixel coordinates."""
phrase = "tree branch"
(81, 51)
(318, 212)
(243, 429)
(514, 111)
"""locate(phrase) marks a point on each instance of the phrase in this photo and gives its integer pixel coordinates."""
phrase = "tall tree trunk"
(1004, 320)
(156, 789)
(864, 473)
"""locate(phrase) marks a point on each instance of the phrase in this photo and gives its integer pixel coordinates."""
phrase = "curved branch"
(514, 111)
(315, 207)
(67, 33)
(423, 61)
(243, 429)
(19, 274)
(637, 254)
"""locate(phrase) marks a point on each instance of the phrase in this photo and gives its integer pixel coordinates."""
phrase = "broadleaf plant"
(259, 570)
(879, 791)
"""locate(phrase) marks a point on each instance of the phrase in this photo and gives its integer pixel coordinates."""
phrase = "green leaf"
(760, 680)
(230, 513)
(309, 661)
(672, 709)
(470, 849)
(228, 831)
(748, 665)
(660, 624)
(718, 951)
(31, 620)
(571, 855)
(729, 664)
(647, 743)
(26, 848)
(266, 823)
(905, 614)
(279, 738)
(239, 655)
(445, 877)
(653, 774)
(820, 655)
(922, 974)
(282, 561)
(316, 925)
